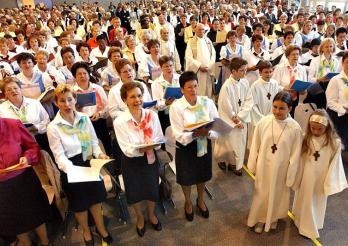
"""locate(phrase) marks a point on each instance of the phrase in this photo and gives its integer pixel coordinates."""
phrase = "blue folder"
(86, 99)
(300, 85)
(149, 104)
(172, 92)
(331, 75)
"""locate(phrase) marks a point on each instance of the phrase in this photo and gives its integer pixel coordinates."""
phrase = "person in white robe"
(200, 61)
(168, 48)
(234, 105)
(263, 90)
(321, 174)
(274, 159)
(253, 57)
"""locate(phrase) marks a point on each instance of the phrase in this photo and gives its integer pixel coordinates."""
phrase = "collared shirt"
(282, 73)
(55, 74)
(159, 86)
(337, 94)
(35, 113)
(109, 75)
(314, 68)
(129, 136)
(33, 87)
(68, 76)
(65, 146)
(90, 110)
(116, 104)
(228, 53)
(180, 116)
(148, 68)
(96, 52)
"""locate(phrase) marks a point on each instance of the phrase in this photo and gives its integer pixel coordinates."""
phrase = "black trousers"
(103, 134)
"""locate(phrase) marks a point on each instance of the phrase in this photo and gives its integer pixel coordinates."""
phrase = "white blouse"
(282, 73)
(129, 136)
(337, 94)
(314, 67)
(35, 113)
(180, 116)
(68, 76)
(65, 146)
(228, 53)
(159, 86)
(36, 85)
(148, 68)
(90, 110)
(110, 76)
(116, 104)
(96, 52)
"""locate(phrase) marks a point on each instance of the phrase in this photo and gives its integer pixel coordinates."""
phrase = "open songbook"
(218, 125)
(172, 92)
(86, 174)
(14, 168)
(139, 146)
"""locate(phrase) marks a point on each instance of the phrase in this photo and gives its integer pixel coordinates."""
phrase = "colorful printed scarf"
(324, 65)
(146, 126)
(83, 135)
(201, 114)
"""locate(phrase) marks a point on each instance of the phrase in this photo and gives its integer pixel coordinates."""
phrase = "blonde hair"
(330, 132)
(61, 89)
(10, 79)
(326, 41)
(41, 52)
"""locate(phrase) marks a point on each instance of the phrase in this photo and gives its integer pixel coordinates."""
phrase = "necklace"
(268, 91)
(274, 146)
(316, 152)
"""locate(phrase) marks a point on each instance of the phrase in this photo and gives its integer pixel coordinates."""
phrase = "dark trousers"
(103, 134)
(341, 124)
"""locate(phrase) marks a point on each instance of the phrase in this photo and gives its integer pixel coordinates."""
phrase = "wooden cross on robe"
(316, 155)
(269, 96)
(274, 148)
(239, 102)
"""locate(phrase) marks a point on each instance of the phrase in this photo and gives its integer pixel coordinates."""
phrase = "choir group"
(85, 82)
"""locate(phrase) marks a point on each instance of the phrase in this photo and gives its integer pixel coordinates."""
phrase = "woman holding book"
(139, 133)
(150, 68)
(74, 142)
(193, 155)
(24, 206)
(109, 75)
(29, 111)
(96, 107)
(323, 65)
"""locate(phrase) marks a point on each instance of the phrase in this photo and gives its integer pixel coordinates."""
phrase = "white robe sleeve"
(335, 180)
(254, 149)
(191, 63)
(244, 113)
(294, 158)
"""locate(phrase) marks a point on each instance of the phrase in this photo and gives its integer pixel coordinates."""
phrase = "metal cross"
(269, 96)
(239, 102)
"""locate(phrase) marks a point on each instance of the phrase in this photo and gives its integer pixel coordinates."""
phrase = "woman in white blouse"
(74, 142)
(127, 74)
(42, 65)
(84, 51)
(227, 52)
(97, 112)
(129, 50)
(29, 111)
(109, 75)
(167, 79)
(320, 66)
(136, 127)
(286, 73)
(337, 101)
(149, 68)
(193, 157)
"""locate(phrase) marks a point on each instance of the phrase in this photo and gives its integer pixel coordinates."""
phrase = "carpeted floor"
(227, 223)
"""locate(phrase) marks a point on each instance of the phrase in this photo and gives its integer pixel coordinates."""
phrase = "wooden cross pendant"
(269, 96)
(239, 102)
(316, 155)
(274, 148)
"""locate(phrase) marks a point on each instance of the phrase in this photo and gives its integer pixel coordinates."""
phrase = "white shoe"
(274, 225)
(259, 227)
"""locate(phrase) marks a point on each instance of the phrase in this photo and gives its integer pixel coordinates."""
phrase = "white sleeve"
(95, 142)
(312, 74)
(223, 53)
(244, 113)
(57, 148)
(332, 97)
(44, 119)
(114, 109)
(177, 124)
(143, 69)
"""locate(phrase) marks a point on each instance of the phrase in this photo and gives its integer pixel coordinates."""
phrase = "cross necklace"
(268, 91)
(274, 146)
(316, 153)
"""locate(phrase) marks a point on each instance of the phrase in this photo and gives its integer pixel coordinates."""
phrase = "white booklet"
(78, 174)
(139, 146)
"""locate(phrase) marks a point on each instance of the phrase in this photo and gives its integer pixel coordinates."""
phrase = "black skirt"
(190, 169)
(81, 196)
(341, 125)
(140, 179)
(23, 204)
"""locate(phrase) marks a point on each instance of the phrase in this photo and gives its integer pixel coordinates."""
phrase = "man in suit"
(270, 15)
